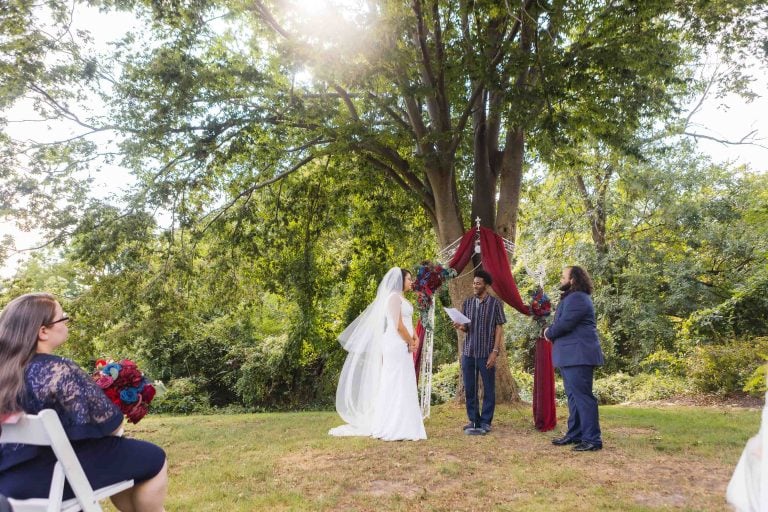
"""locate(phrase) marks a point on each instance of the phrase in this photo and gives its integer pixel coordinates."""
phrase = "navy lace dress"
(89, 418)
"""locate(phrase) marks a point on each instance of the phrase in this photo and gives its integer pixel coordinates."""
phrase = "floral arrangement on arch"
(540, 305)
(427, 282)
(126, 386)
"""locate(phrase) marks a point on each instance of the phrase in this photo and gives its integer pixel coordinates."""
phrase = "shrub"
(656, 386)
(524, 381)
(728, 368)
(756, 384)
(182, 396)
(445, 382)
(742, 315)
(261, 374)
(613, 389)
(664, 362)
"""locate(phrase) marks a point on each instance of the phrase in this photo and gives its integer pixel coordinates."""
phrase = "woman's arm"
(84, 408)
(395, 312)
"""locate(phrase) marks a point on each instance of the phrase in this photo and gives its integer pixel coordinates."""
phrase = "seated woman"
(32, 379)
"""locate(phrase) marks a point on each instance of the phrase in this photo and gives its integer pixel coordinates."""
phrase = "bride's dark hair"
(404, 272)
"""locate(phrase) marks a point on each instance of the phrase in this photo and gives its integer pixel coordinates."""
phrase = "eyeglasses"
(65, 318)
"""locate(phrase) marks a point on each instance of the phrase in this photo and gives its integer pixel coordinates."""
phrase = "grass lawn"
(655, 458)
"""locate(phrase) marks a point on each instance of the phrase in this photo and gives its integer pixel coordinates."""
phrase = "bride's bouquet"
(126, 386)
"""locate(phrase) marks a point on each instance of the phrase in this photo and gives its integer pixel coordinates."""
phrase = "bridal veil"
(361, 374)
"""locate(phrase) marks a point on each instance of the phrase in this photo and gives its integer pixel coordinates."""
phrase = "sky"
(729, 118)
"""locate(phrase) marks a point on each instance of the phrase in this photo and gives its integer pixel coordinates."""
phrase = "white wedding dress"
(377, 394)
(397, 414)
(748, 489)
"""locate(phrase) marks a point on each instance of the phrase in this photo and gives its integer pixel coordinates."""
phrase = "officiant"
(576, 352)
(482, 343)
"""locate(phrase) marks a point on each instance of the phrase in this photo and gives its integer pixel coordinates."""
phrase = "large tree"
(446, 99)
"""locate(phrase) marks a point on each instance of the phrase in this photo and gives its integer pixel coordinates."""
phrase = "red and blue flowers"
(540, 306)
(126, 386)
(429, 278)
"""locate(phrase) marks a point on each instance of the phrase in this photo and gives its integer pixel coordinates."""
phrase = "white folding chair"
(45, 429)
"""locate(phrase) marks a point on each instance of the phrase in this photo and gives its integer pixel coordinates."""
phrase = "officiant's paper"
(457, 316)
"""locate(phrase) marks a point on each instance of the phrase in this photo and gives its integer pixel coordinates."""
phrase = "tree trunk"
(510, 184)
(450, 225)
(449, 229)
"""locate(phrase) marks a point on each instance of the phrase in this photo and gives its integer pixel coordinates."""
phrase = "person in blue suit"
(576, 351)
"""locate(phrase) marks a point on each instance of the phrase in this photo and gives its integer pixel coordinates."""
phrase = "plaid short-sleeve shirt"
(485, 315)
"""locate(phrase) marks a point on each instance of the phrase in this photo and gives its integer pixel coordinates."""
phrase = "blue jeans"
(470, 367)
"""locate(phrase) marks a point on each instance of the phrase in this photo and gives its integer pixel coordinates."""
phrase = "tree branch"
(348, 102)
(394, 115)
(65, 112)
(747, 140)
(427, 199)
(250, 190)
(270, 20)
(425, 65)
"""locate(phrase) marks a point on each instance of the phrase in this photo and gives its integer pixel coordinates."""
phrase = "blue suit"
(576, 351)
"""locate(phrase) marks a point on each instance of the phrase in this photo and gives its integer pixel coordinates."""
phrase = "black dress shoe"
(587, 447)
(560, 441)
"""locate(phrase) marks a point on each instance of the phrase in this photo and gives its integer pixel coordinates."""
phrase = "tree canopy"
(282, 160)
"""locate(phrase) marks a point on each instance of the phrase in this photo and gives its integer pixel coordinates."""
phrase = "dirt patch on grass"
(391, 488)
(513, 468)
(657, 500)
(316, 461)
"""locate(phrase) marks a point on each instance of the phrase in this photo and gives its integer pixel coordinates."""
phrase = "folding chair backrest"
(26, 429)
(44, 429)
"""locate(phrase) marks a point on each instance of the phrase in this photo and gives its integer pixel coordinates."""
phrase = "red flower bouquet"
(429, 278)
(540, 306)
(125, 386)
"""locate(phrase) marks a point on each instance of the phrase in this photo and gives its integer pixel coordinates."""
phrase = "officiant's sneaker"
(485, 427)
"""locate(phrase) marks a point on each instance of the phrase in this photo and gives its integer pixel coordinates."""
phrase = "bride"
(377, 393)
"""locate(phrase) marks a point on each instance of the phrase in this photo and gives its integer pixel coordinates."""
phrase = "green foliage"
(260, 379)
(445, 382)
(730, 367)
(621, 387)
(284, 199)
(182, 396)
(742, 315)
(658, 386)
(524, 381)
(664, 362)
(756, 384)
(679, 236)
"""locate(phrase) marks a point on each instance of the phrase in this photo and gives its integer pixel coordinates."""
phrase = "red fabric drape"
(544, 413)
(464, 252)
(420, 332)
(495, 262)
